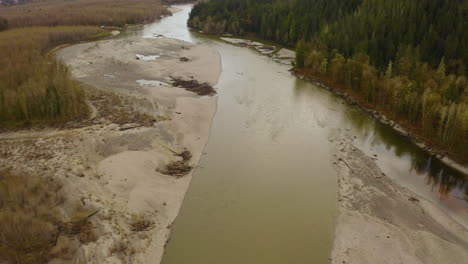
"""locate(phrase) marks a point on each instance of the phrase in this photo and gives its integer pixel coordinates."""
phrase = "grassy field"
(83, 12)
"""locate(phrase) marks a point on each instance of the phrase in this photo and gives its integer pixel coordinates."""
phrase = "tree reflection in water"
(441, 178)
(447, 182)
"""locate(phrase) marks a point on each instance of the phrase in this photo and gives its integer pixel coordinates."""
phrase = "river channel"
(265, 190)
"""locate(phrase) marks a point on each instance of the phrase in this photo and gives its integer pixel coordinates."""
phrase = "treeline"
(405, 58)
(379, 28)
(34, 87)
(428, 101)
(83, 12)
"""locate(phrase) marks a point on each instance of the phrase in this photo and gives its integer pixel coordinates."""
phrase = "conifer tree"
(440, 73)
(300, 54)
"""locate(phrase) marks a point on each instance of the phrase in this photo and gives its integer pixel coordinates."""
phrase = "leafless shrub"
(141, 223)
(118, 247)
(178, 168)
(30, 219)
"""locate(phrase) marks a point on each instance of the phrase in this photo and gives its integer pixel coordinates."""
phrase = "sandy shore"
(437, 153)
(280, 55)
(137, 125)
(381, 222)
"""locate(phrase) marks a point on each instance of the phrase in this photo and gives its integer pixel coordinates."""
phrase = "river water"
(265, 192)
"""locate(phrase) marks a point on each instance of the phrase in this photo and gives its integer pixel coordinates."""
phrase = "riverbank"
(380, 221)
(117, 161)
(135, 186)
(285, 56)
(423, 143)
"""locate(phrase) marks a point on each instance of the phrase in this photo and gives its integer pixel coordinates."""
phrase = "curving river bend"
(265, 192)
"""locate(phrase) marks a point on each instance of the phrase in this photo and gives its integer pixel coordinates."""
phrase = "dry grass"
(117, 109)
(178, 168)
(34, 87)
(30, 219)
(119, 247)
(140, 223)
(83, 12)
(123, 251)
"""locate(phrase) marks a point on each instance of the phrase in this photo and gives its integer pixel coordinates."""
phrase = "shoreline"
(375, 114)
(112, 161)
(385, 209)
(188, 122)
(379, 219)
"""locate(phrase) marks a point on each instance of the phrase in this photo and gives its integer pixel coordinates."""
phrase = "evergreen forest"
(405, 58)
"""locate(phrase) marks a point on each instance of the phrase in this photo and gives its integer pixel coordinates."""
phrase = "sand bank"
(381, 222)
(280, 55)
(133, 186)
(110, 162)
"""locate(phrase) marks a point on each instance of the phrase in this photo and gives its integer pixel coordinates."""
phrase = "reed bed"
(34, 86)
(83, 12)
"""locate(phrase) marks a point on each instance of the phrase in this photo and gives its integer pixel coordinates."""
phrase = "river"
(265, 192)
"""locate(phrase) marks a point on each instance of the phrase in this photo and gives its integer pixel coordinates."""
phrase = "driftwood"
(185, 155)
(130, 127)
(193, 86)
(141, 224)
(340, 159)
(178, 168)
(74, 227)
(174, 152)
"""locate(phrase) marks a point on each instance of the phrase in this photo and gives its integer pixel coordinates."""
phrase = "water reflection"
(397, 154)
(441, 178)
(174, 26)
(449, 185)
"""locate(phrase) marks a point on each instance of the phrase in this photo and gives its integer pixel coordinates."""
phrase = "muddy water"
(265, 192)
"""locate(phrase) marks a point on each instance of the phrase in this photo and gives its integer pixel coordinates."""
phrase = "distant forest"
(406, 58)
